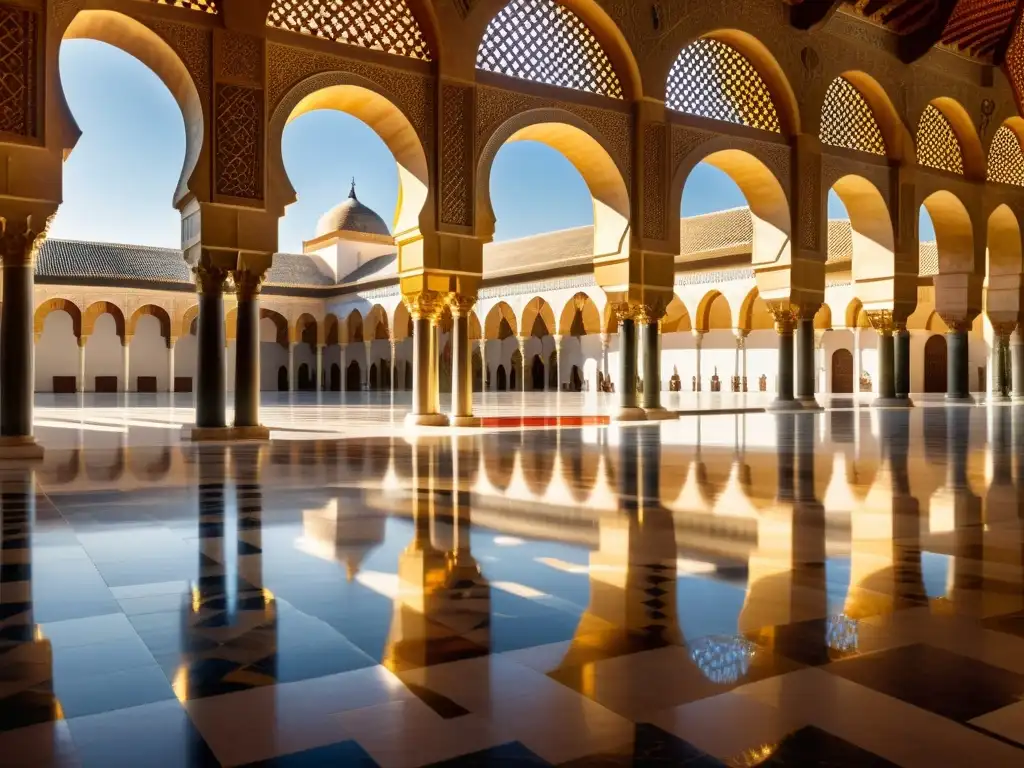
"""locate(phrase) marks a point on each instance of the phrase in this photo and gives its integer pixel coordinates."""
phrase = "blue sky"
(120, 179)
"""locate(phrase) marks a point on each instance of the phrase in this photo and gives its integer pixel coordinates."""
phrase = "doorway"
(935, 364)
(282, 379)
(842, 372)
(537, 373)
(335, 377)
(353, 377)
(502, 379)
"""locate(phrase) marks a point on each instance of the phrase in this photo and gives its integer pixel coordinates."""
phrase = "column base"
(630, 413)
(660, 414)
(784, 406)
(1017, 398)
(999, 398)
(959, 399)
(20, 449)
(224, 434)
(464, 421)
(426, 420)
(810, 403)
(892, 402)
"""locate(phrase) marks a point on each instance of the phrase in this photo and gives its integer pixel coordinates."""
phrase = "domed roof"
(352, 216)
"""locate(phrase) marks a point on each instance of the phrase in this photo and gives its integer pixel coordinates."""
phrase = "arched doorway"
(537, 373)
(502, 380)
(335, 377)
(305, 383)
(842, 372)
(353, 377)
(935, 364)
(373, 376)
(478, 372)
(575, 379)
(282, 379)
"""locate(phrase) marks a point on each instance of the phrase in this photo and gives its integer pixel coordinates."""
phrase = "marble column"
(483, 365)
(247, 356)
(424, 310)
(170, 365)
(858, 364)
(741, 350)
(462, 363)
(805, 362)
(558, 362)
(1017, 365)
(628, 408)
(17, 348)
(605, 344)
(125, 366)
(957, 361)
(368, 346)
(319, 376)
(785, 324)
(343, 382)
(902, 362)
(998, 363)
(521, 340)
(293, 375)
(652, 369)
(392, 365)
(698, 338)
(82, 341)
(435, 364)
(211, 402)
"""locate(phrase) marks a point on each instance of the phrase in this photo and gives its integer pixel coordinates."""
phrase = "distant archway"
(537, 374)
(335, 377)
(842, 372)
(282, 379)
(935, 373)
(502, 379)
(353, 377)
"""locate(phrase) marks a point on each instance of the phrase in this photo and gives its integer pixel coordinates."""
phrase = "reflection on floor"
(841, 588)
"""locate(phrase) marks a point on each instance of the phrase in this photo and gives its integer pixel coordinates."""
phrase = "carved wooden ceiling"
(979, 28)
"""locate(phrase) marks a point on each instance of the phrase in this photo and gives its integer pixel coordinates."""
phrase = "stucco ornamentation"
(457, 155)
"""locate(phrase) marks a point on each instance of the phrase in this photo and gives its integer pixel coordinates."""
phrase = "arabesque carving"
(456, 155)
(655, 138)
(18, 70)
(193, 46)
(240, 57)
(239, 141)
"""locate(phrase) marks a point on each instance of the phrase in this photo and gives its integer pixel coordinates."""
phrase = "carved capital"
(1003, 331)
(460, 305)
(623, 310)
(882, 321)
(248, 284)
(210, 279)
(20, 241)
(955, 323)
(785, 315)
(425, 305)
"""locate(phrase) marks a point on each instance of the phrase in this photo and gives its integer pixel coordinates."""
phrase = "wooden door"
(842, 372)
(935, 364)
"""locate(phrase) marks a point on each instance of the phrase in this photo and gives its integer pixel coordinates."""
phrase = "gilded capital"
(956, 323)
(1004, 330)
(248, 283)
(20, 241)
(210, 279)
(785, 315)
(425, 305)
(882, 321)
(623, 311)
(460, 305)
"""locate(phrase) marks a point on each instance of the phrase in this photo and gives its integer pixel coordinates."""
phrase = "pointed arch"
(538, 311)
(580, 317)
(1006, 154)
(677, 317)
(713, 313)
(754, 314)
(848, 121)
(306, 330)
(375, 324)
(190, 316)
(354, 327)
(501, 322)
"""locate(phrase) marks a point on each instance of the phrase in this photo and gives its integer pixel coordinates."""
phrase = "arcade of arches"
(792, 100)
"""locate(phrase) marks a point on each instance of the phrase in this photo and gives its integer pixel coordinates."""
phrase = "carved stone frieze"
(193, 46)
(240, 57)
(238, 132)
(18, 65)
(410, 91)
(685, 140)
(655, 186)
(496, 105)
(808, 179)
(457, 155)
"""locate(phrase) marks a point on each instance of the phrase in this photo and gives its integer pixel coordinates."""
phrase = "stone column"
(1017, 365)
(785, 324)
(391, 362)
(247, 357)
(19, 244)
(902, 362)
(368, 356)
(343, 382)
(882, 322)
(319, 376)
(521, 340)
(483, 364)
(82, 341)
(293, 375)
(628, 408)
(957, 373)
(605, 343)
(211, 403)
(125, 366)
(698, 337)
(424, 309)
(805, 359)
(462, 363)
(1000, 358)
(170, 364)
(652, 368)
(558, 362)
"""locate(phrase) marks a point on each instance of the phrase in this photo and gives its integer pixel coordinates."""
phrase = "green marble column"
(957, 364)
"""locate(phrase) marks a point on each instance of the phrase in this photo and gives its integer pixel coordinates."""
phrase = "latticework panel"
(937, 145)
(712, 79)
(847, 121)
(383, 25)
(203, 6)
(543, 41)
(1005, 158)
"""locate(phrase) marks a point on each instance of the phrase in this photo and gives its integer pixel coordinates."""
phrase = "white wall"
(56, 351)
(147, 354)
(103, 353)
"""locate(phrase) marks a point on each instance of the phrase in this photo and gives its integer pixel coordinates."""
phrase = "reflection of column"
(628, 409)
(1017, 365)
(210, 395)
(125, 373)
(293, 376)
(82, 341)
(170, 364)
(957, 364)
(558, 362)
(247, 353)
(462, 364)
(965, 583)
(698, 339)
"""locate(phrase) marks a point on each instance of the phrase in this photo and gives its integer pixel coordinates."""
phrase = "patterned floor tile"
(502, 756)
(345, 753)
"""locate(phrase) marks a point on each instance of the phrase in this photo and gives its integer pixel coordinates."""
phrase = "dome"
(352, 216)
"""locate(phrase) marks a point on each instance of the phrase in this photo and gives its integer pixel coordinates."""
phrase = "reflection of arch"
(139, 41)
(500, 322)
(579, 317)
(935, 371)
(726, 54)
(538, 319)
(954, 233)
(58, 305)
(578, 142)
(95, 310)
(369, 102)
(153, 311)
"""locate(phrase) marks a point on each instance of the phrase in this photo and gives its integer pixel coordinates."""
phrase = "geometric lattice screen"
(205, 6)
(382, 25)
(1005, 158)
(937, 145)
(847, 121)
(545, 42)
(714, 80)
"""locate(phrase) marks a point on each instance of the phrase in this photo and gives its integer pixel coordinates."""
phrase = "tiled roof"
(840, 241)
(723, 233)
(299, 269)
(76, 258)
(378, 268)
(551, 249)
(928, 259)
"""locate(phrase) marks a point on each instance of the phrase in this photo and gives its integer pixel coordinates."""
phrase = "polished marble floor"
(843, 588)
